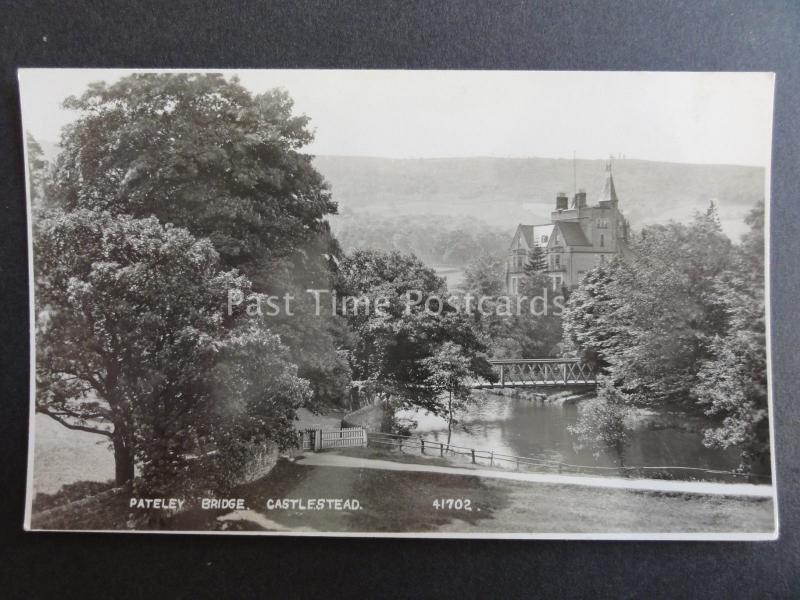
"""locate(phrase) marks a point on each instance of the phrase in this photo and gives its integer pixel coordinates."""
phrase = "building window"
(543, 239)
(602, 240)
(602, 223)
(557, 261)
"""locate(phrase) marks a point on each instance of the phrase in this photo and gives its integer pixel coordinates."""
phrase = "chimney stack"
(580, 199)
(562, 202)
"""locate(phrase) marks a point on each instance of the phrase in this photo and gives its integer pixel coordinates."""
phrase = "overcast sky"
(677, 117)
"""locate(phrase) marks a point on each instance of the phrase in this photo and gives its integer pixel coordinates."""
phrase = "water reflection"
(526, 428)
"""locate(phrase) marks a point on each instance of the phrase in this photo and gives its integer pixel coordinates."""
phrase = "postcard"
(459, 304)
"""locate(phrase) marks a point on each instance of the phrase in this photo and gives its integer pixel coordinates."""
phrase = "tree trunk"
(449, 417)
(123, 460)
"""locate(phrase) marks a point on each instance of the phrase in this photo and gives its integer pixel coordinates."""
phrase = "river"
(529, 428)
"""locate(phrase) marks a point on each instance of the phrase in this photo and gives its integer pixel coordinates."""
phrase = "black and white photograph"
(458, 304)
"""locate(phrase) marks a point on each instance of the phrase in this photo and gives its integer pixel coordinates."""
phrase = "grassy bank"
(397, 501)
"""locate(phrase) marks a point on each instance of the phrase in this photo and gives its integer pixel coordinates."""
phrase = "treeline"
(435, 239)
(172, 191)
(533, 331)
(679, 324)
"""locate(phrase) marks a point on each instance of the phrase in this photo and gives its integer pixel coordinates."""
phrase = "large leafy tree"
(390, 347)
(733, 381)
(647, 319)
(199, 151)
(681, 324)
(134, 344)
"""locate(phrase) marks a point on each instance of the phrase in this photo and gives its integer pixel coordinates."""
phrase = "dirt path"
(651, 485)
(402, 498)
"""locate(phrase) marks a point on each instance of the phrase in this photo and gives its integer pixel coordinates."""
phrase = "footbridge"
(540, 373)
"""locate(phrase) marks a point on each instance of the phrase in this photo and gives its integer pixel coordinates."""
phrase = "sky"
(720, 118)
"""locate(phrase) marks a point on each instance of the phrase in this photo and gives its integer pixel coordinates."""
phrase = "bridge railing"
(534, 372)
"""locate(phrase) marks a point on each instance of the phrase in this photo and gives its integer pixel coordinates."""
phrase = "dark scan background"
(736, 35)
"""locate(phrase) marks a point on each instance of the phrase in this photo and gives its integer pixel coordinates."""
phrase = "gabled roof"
(532, 234)
(527, 232)
(539, 231)
(573, 234)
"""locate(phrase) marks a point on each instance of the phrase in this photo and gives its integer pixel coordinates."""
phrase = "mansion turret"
(578, 238)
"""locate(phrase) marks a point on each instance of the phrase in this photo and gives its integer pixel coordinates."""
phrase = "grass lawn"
(393, 501)
(63, 456)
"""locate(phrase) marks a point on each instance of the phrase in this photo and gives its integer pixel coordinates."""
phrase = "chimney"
(562, 201)
(580, 199)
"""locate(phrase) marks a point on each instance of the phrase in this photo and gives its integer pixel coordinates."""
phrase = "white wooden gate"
(322, 439)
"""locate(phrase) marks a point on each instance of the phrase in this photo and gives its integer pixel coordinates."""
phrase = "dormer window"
(543, 239)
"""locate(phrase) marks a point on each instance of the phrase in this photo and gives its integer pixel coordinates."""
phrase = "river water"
(530, 428)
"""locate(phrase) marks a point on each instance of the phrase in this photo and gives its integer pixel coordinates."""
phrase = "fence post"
(441, 449)
(401, 445)
(491, 459)
(473, 456)
(318, 440)
(502, 376)
(423, 445)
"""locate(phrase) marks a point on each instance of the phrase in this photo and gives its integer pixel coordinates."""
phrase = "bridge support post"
(502, 376)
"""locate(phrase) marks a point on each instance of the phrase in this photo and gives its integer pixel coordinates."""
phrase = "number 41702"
(452, 504)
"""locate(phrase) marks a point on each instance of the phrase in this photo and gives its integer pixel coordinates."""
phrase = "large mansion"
(578, 238)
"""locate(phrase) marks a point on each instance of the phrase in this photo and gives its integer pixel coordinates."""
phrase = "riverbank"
(528, 424)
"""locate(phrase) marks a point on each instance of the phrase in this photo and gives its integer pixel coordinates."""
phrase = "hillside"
(453, 194)
(507, 191)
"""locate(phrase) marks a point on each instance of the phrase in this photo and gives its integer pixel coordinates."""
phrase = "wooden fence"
(322, 439)
(490, 458)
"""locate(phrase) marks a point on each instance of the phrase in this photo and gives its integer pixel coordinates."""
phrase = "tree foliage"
(389, 347)
(449, 374)
(733, 381)
(647, 318)
(680, 324)
(536, 263)
(38, 170)
(603, 424)
(133, 344)
(434, 239)
(201, 152)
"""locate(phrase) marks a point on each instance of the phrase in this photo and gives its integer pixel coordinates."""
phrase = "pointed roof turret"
(609, 191)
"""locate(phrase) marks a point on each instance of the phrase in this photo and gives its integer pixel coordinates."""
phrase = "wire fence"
(490, 458)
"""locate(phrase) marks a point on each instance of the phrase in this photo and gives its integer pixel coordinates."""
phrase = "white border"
(641, 536)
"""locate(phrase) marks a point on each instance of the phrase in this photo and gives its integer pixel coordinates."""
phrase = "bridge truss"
(540, 372)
